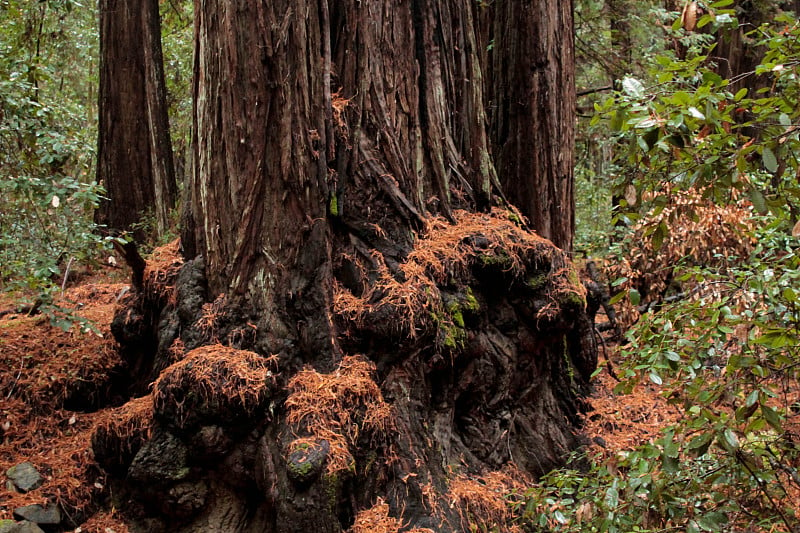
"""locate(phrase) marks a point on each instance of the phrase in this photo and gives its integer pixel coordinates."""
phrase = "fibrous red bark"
(134, 159)
(532, 112)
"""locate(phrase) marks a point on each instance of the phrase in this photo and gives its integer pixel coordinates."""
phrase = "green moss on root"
(537, 281)
(470, 302)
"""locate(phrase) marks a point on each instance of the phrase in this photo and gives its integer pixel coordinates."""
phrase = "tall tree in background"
(532, 98)
(134, 153)
(341, 204)
(736, 53)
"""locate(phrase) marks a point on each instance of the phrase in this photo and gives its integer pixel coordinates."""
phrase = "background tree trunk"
(341, 216)
(533, 110)
(134, 154)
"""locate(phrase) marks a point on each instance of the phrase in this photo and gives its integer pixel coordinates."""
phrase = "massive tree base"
(455, 378)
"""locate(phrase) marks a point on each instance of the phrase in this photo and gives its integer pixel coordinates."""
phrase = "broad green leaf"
(704, 20)
(744, 413)
(730, 439)
(617, 120)
(712, 521)
(642, 123)
(670, 464)
(693, 111)
(771, 416)
(724, 18)
(659, 235)
(635, 297)
(789, 294)
(672, 449)
(699, 445)
(633, 87)
(759, 202)
(612, 496)
(776, 339)
(752, 398)
(769, 159)
(617, 298)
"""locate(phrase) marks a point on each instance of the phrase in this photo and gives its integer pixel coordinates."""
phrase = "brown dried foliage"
(211, 313)
(44, 365)
(618, 423)
(58, 445)
(486, 501)
(45, 369)
(161, 270)
(625, 421)
(445, 252)
(220, 379)
(339, 407)
(376, 519)
(339, 105)
(41, 367)
(126, 424)
(105, 522)
(176, 351)
(700, 233)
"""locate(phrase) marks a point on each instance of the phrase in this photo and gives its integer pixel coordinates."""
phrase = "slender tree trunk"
(621, 44)
(533, 103)
(134, 160)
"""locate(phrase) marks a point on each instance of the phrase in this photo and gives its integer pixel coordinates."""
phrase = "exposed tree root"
(476, 351)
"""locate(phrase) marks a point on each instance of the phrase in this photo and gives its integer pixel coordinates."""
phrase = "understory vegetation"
(703, 268)
(688, 197)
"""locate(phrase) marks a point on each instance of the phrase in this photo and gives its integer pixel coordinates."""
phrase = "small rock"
(25, 477)
(6, 525)
(49, 515)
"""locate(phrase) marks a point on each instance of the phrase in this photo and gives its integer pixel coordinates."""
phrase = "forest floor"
(56, 387)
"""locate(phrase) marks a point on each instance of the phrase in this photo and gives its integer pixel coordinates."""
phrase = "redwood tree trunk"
(343, 211)
(134, 154)
(533, 110)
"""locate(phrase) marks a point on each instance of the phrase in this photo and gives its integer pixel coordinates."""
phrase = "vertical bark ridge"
(415, 111)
